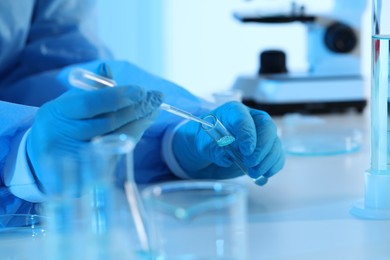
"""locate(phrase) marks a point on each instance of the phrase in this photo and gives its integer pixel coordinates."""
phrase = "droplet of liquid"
(226, 140)
(181, 213)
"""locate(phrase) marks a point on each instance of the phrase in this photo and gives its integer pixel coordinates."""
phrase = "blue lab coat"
(39, 40)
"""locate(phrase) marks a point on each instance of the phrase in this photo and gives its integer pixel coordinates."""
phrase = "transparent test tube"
(380, 154)
(224, 139)
(376, 204)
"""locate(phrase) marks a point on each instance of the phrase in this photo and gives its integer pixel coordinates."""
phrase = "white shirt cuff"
(169, 156)
(21, 182)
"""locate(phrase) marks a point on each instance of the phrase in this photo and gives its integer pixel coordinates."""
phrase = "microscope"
(332, 83)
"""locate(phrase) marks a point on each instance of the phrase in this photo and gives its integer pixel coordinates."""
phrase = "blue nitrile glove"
(64, 126)
(256, 140)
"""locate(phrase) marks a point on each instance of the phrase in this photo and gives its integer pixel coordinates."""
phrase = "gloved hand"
(256, 140)
(64, 126)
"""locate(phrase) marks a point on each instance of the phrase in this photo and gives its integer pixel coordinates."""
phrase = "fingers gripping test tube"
(224, 139)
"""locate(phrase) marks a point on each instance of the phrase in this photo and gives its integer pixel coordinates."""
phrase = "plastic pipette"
(88, 80)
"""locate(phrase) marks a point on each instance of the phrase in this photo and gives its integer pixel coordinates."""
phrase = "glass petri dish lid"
(313, 136)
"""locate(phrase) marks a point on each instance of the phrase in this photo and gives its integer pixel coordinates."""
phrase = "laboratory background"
(307, 63)
(200, 45)
(305, 211)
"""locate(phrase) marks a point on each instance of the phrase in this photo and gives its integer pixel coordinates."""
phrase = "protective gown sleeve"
(16, 120)
(59, 35)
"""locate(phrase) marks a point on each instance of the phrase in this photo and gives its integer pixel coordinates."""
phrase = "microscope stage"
(283, 93)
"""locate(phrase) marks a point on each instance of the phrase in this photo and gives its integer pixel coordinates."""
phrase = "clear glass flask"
(376, 204)
(118, 226)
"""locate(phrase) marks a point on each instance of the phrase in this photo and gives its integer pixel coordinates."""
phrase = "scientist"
(42, 116)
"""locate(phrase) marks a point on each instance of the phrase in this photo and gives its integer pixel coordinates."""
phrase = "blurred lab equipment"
(376, 204)
(333, 81)
(22, 236)
(225, 96)
(197, 219)
(225, 139)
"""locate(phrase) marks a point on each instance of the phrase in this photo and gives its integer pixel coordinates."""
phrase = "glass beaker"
(197, 220)
(376, 203)
(94, 209)
(63, 207)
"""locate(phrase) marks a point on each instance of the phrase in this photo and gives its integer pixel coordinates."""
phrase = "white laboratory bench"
(303, 211)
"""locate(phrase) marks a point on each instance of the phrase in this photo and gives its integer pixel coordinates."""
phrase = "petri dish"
(313, 136)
